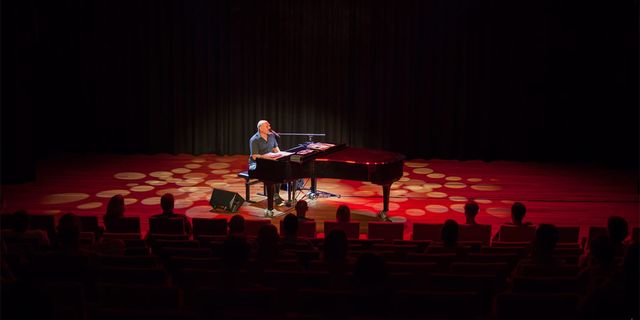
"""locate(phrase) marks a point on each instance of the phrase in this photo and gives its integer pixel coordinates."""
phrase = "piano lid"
(362, 156)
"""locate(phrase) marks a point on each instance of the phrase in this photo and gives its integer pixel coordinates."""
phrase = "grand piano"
(330, 161)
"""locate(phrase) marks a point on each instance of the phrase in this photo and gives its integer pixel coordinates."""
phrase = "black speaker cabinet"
(226, 200)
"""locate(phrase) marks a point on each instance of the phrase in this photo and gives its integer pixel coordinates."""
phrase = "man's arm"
(253, 148)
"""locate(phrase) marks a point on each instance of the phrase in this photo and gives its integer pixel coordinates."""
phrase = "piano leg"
(386, 192)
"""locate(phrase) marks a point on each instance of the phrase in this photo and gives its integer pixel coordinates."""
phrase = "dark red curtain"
(550, 80)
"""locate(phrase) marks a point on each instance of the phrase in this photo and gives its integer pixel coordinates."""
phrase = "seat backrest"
(89, 224)
(251, 227)
(517, 233)
(568, 234)
(126, 225)
(166, 225)
(427, 231)
(352, 229)
(388, 231)
(306, 229)
(209, 227)
(44, 222)
(477, 232)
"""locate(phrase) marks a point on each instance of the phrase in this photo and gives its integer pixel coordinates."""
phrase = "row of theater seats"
(185, 279)
(376, 230)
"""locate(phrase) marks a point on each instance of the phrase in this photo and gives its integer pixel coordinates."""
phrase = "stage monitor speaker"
(226, 200)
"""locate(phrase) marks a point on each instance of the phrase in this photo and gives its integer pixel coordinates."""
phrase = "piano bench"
(247, 184)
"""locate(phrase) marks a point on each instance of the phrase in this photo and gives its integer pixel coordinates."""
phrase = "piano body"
(338, 161)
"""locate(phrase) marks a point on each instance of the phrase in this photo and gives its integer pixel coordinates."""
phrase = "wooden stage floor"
(430, 191)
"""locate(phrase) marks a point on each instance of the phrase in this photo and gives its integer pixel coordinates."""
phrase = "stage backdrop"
(532, 80)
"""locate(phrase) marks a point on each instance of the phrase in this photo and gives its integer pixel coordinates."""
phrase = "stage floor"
(430, 191)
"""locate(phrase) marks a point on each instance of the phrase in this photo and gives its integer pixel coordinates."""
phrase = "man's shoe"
(278, 200)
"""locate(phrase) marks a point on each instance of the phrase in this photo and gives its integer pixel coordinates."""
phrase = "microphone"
(275, 133)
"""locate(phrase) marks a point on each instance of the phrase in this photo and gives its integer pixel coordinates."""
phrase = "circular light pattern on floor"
(499, 212)
(486, 187)
(197, 196)
(369, 187)
(404, 174)
(423, 170)
(458, 207)
(379, 206)
(458, 198)
(398, 199)
(129, 175)
(64, 198)
(416, 164)
(156, 182)
(435, 175)
(221, 172)
(198, 160)
(128, 201)
(364, 193)
(436, 208)
(173, 180)
(192, 166)
(188, 182)
(231, 158)
(173, 191)
(339, 201)
(414, 182)
(90, 205)
(180, 170)
(195, 175)
(216, 183)
(219, 165)
(509, 202)
(142, 188)
(415, 212)
(482, 201)
(453, 178)
(131, 184)
(398, 192)
(161, 174)
(195, 189)
(455, 185)
(474, 179)
(436, 194)
(432, 185)
(404, 179)
(234, 180)
(111, 193)
(152, 201)
(398, 219)
(199, 212)
(418, 188)
(183, 203)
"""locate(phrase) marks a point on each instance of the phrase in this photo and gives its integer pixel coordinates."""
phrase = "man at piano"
(262, 143)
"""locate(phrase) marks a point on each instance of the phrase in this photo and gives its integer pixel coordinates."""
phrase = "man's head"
(290, 225)
(166, 202)
(301, 208)
(618, 229)
(471, 209)
(264, 126)
(518, 210)
(343, 214)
